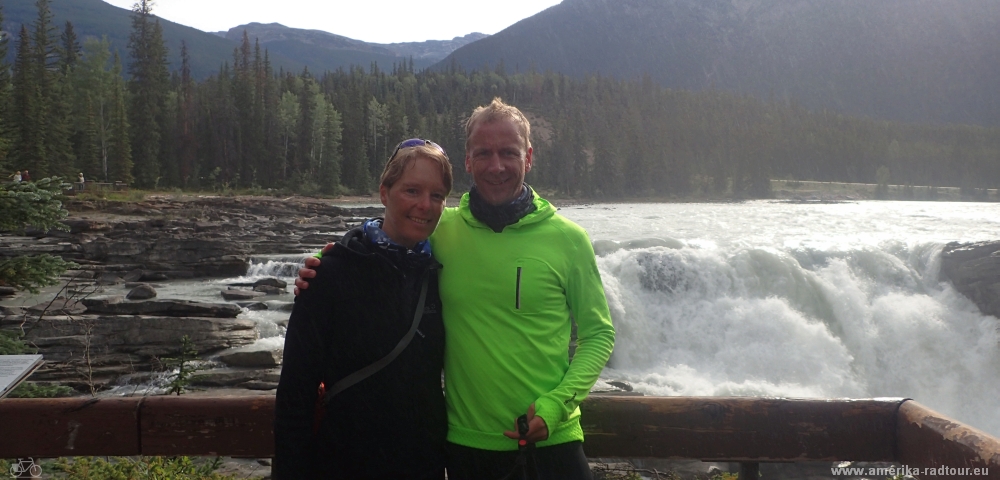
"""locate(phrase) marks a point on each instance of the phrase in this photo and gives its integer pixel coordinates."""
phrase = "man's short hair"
(397, 165)
(497, 110)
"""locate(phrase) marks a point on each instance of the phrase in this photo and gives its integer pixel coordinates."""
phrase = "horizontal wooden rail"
(745, 429)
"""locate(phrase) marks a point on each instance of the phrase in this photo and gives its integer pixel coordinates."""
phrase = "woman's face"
(413, 205)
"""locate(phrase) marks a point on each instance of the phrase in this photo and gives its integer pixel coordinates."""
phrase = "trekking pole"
(525, 449)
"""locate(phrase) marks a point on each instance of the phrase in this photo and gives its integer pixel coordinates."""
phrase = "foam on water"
(864, 318)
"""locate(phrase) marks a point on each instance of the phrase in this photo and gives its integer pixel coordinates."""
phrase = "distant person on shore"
(370, 330)
(25, 177)
(515, 276)
(80, 178)
(16, 177)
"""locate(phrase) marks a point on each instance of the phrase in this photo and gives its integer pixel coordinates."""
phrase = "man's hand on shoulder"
(309, 271)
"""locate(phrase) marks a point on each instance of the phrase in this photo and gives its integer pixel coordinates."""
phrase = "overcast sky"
(377, 21)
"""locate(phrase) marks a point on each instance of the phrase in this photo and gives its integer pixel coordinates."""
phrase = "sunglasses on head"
(416, 142)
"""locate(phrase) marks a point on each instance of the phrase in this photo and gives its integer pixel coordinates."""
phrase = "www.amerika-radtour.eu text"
(906, 470)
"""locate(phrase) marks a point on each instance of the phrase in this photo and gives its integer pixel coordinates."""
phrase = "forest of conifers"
(67, 108)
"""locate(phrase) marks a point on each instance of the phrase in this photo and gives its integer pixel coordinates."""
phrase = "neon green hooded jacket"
(507, 300)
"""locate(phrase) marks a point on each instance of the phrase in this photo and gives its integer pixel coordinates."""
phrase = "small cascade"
(280, 266)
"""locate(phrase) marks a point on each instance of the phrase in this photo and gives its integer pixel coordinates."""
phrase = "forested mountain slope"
(934, 61)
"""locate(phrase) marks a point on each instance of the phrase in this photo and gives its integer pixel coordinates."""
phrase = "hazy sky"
(378, 21)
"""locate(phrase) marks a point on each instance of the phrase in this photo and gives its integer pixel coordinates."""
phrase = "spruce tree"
(33, 204)
(4, 100)
(186, 121)
(147, 86)
(70, 52)
(119, 141)
(27, 111)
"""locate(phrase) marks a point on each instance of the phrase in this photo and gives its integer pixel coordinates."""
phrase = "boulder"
(974, 270)
(270, 290)
(148, 276)
(253, 358)
(8, 291)
(241, 294)
(271, 282)
(226, 377)
(133, 276)
(170, 308)
(142, 292)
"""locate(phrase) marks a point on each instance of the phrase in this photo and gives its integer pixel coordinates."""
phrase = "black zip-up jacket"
(392, 424)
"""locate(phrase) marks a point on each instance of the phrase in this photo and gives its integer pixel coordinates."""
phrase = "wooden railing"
(744, 429)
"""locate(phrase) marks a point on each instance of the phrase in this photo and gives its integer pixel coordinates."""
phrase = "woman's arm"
(301, 373)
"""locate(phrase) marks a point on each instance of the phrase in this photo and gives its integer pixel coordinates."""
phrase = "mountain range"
(288, 48)
(926, 61)
(316, 47)
(935, 61)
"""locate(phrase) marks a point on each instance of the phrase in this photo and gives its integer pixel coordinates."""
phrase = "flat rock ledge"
(170, 308)
(97, 349)
(974, 270)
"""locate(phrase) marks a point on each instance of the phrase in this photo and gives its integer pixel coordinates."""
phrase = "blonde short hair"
(497, 110)
(396, 165)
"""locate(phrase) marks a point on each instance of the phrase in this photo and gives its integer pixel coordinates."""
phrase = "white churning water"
(772, 299)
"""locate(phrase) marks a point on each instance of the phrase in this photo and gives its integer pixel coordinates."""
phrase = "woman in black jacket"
(389, 420)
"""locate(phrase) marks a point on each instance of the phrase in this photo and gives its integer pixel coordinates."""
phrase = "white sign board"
(14, 369)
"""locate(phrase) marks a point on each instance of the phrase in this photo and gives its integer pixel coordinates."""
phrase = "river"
(775, 299)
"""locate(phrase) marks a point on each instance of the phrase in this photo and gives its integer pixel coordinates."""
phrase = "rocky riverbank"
(90, 340)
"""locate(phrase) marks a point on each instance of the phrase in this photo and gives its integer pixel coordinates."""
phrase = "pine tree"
(186, 121)
(33, 204)
(4, 100)
(119, 142)
(70, 52)
(147, 86)
(27, 114)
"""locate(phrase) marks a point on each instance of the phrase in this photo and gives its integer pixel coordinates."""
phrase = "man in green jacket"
(515, 276)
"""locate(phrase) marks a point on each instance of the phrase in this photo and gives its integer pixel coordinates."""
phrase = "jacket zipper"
(517, 300)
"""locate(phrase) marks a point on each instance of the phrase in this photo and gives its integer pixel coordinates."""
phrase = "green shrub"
(37, 390)
(139, 468)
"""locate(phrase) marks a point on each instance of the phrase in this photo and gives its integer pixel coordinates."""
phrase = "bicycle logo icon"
(25, 466)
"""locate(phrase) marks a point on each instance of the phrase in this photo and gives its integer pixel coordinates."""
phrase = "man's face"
(497, 160)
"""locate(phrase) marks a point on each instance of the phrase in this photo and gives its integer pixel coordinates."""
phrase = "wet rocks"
(99, 348)
(270, 282)
(269, 290)
(234, 295)
(169, 308)
(58, 306)
(250, 378)
(142, 291)
(974, 270)
(254, 358)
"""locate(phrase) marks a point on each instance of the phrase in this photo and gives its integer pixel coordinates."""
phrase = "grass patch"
(129, 468)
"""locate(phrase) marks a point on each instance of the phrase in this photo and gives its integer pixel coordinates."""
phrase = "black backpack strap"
(348, 381)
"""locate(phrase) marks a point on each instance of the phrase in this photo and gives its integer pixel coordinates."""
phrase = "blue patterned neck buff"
(375, 235)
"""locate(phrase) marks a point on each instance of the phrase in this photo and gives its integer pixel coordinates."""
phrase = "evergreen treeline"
(65, 108)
